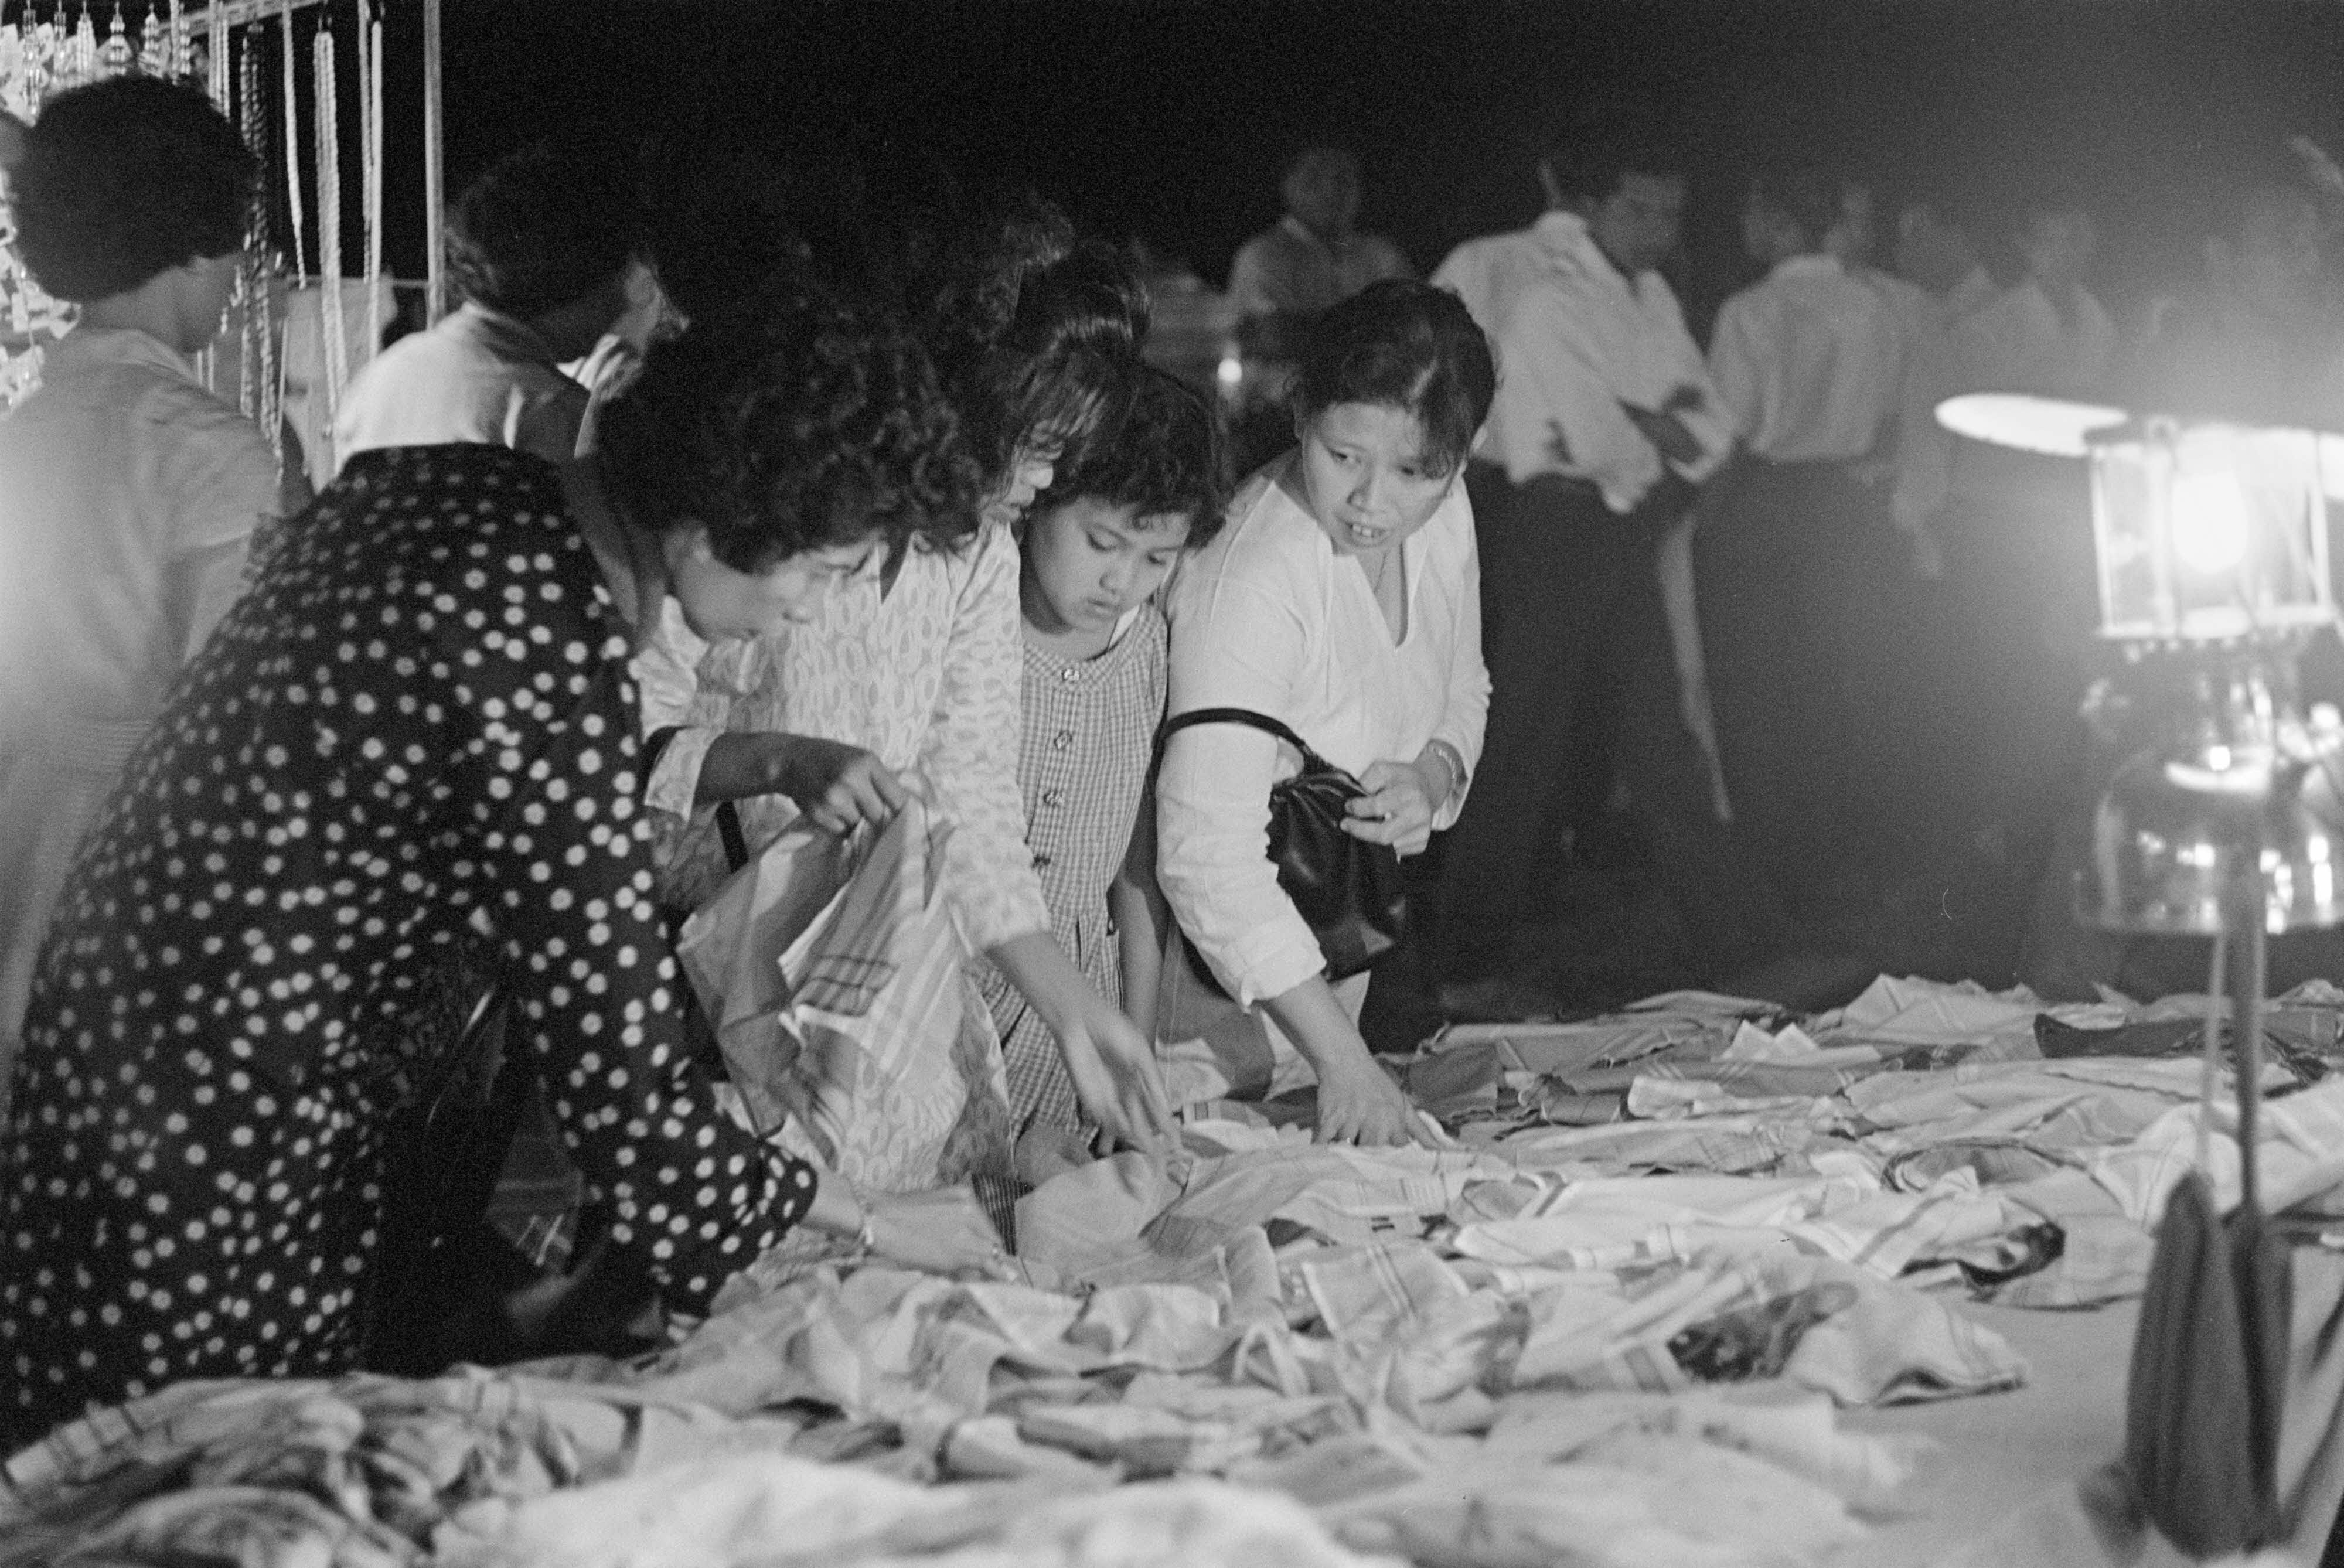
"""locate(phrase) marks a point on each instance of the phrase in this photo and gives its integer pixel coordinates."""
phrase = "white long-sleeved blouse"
(1268, 617)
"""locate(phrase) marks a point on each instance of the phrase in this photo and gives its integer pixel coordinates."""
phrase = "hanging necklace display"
(77, 51)
(286, 54)
(29, 316)
(260, 370)
(329, 235)
(115, 57)
(154, 50)
(371, 171)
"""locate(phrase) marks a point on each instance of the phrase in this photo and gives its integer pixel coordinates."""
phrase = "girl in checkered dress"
(1096, 548)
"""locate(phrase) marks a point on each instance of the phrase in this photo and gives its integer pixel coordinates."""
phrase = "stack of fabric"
(1616, 1324)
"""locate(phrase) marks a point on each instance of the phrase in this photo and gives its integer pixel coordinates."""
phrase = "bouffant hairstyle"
(1402, 345)
(795, 423)
(1166, 455)
(544, 227)
(125, 180)
(1066, 364)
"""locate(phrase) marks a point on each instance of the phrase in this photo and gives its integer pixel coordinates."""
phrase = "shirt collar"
(88, 345)
(1815, 264)
(1564, 237)
(508, 336)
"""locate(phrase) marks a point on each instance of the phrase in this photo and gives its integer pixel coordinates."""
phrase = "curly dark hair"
(1404, 344)
(545, 226)
(796, 423)
(1168, 453)
(125, 180)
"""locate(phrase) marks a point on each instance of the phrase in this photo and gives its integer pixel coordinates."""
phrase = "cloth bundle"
(834, 973)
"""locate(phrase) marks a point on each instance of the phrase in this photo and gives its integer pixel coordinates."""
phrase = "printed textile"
(835, 976)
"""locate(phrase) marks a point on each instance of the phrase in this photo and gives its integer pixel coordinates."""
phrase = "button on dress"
(1089, 735)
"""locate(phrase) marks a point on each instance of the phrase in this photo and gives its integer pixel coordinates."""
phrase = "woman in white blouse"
(1344, 599)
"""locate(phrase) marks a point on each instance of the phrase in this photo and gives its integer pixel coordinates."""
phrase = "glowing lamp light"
(2203, 530)
(2211, 523)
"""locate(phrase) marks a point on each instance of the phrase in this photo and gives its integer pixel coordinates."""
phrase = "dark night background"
(1170, 119)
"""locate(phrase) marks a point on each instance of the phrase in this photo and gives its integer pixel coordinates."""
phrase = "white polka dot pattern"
(420, 721)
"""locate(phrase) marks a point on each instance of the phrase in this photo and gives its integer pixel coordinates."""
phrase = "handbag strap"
(1311, 760)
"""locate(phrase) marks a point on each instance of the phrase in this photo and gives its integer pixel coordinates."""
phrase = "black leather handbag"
(1350, 892)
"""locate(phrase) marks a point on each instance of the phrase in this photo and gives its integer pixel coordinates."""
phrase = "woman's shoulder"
(1268, 539)
(470, 517)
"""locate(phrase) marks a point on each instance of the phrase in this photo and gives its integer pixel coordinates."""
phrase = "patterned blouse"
(419, 724)
(1090, 727)
(925, 678)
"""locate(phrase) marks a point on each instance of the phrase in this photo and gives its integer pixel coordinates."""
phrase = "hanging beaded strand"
(241, 303)
(287, 55)
(370, 19)
(266, 401)
(330, 239)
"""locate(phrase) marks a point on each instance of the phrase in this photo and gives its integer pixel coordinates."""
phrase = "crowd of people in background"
(804, 493)
(1751, 589)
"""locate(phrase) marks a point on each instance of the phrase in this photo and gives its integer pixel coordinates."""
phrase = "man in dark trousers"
(1605, 422)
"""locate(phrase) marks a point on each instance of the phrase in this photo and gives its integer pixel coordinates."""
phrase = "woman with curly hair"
(419, 730)
(908, 676)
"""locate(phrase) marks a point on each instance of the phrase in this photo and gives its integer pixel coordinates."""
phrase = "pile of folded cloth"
(1613, 1324)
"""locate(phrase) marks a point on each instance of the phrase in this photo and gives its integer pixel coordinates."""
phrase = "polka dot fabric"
(417, 727)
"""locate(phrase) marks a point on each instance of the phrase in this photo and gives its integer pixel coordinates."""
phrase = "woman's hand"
(1111, 1062)
(1359, 1103)
(943, 1233)
(1397, 806)
(838, 787)
(1118, 1081)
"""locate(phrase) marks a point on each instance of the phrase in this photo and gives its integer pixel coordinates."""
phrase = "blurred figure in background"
(1313, 257)
(1606, 420)
(2018, 545)
(1806, 362)
(542, 247)
(1287, 275)
(2259, 331)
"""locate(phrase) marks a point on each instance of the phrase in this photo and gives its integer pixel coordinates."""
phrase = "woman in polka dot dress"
(418, 731)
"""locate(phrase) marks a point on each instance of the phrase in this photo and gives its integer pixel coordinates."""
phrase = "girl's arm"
(1136, 901)
(1112, 1063)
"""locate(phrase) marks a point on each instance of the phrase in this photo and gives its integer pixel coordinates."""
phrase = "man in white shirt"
(1282, 277)
(1606, 420)
(2018, 545)
(1938, 283)
(1312, 257)
(1807, 362)
(540, 248)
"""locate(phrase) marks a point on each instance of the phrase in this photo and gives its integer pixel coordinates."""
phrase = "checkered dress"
(1082, 766)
